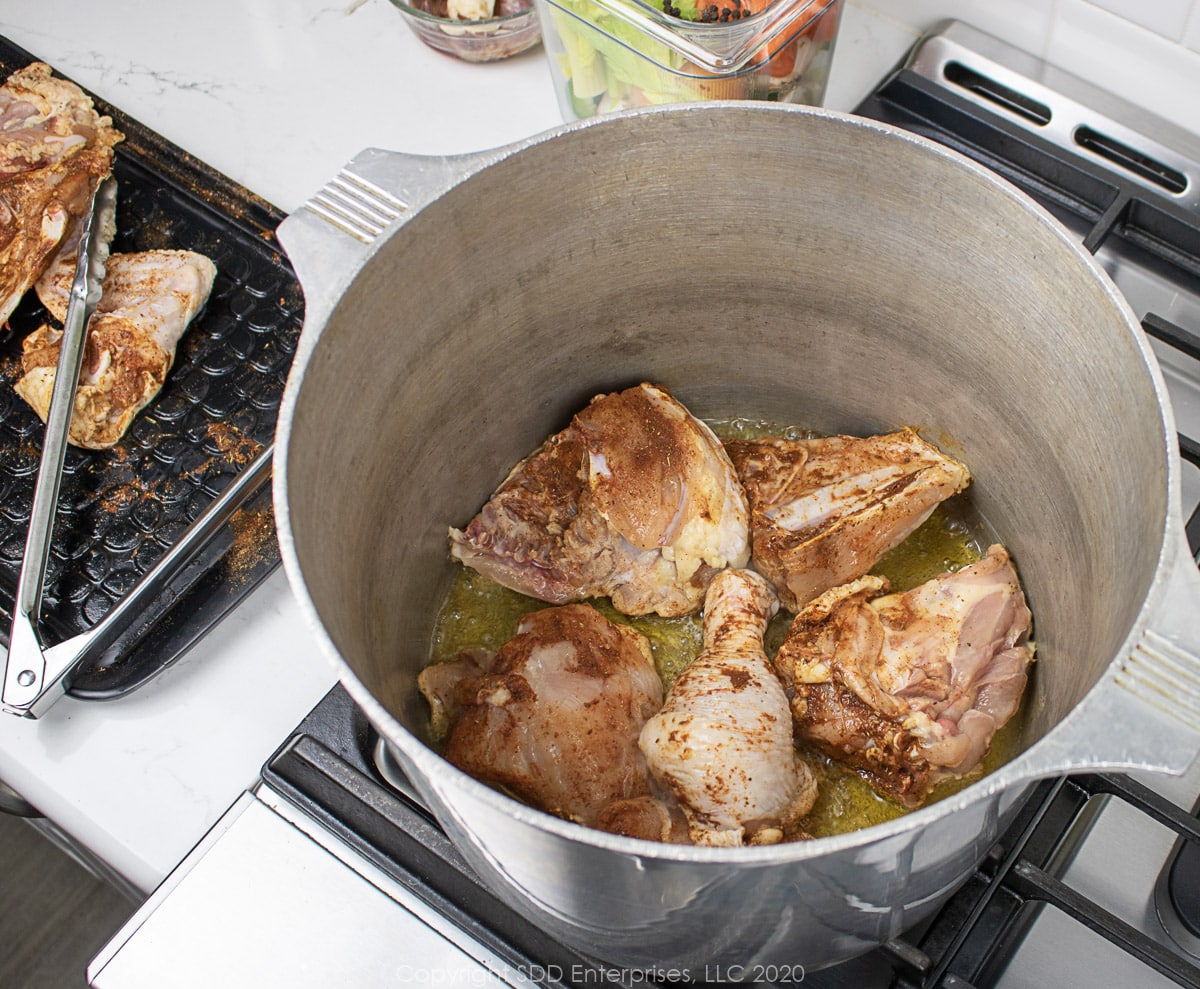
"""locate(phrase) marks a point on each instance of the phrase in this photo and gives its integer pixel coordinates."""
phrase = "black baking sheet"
(120, 510)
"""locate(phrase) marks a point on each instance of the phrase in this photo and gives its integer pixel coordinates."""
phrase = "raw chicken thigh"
(635, 500)
(439, 684)
(908, 689)
(54, 151)
(823, 511)
(722, 744)
(653, 817)
(554, 716)
(148, 301)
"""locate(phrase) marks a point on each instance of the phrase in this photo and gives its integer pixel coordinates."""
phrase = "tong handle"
(27, 673)
(91, 645)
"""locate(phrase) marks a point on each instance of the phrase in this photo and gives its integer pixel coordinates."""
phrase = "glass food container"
(610, 55)
(513, 29)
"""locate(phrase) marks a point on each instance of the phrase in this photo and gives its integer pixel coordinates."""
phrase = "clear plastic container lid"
(723, 44)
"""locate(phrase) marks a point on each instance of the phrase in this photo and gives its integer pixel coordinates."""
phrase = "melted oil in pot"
(480, 613)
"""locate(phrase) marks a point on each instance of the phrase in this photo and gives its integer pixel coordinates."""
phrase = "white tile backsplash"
(1191, 31)
(1024, 23)
(1165, 17)
(1125, 58)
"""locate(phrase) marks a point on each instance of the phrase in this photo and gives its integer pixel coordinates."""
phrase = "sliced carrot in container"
(781, 52)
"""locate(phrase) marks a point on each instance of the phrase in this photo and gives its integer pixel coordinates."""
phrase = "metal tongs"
(36, 676)
(32, 670)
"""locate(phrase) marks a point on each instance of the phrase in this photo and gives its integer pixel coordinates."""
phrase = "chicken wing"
(554, 716)
(54, 151)
(722, 743)
(635, 500)
(148, 301)
(823, 511)
(908, 689)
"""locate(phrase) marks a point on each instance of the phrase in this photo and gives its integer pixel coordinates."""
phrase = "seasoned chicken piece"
(166, 283)
(654, 817)
(823, 511)
(53, 285)
(635, 500)
(439, 684)
(722, 743)
(555, 718)
(54, 151)
(148, 301)
(908, 689)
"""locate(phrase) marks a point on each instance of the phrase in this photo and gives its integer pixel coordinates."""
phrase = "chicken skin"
(148, 300)
(54, 151)
(722, 743)
(635, 500)
(823, 511)
(908, 689)
(554, 715)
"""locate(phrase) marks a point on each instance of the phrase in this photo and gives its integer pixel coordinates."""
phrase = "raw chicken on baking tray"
(148, 300)
(56, 150)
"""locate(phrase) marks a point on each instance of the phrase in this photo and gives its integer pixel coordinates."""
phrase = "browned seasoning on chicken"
(632, 502)
(54, 151)
(148, 300)
(554, 715)
(722, 743)
(823, 511)
(636, 500)
(908, 689)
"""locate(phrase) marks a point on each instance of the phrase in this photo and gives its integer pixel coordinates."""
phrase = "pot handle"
(1145, 712)
(330, 237)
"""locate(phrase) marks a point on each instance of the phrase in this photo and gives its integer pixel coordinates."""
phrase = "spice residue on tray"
(253, 535)
(121, 496)
(234, 446)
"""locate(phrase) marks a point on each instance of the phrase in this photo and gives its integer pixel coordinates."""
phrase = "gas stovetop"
(1097, 882)
(1096, 886)
(1032, 908)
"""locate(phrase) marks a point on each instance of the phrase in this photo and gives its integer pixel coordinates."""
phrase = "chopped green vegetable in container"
(610, 55)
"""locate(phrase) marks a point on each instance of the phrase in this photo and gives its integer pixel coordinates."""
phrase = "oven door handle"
(13, 804)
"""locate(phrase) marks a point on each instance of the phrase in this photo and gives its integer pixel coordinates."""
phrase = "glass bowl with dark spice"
(473, 30)
(610, 55)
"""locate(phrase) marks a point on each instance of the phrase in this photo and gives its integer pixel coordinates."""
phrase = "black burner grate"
(979, 931)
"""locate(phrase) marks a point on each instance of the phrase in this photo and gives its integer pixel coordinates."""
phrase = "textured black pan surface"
(120, 510)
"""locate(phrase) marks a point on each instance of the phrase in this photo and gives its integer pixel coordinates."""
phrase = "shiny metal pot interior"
(768, 261)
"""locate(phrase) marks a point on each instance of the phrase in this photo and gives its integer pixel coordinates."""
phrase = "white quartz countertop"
(278, 95)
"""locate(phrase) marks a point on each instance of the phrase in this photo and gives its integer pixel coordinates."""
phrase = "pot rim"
(1041, 759)
(432, 765)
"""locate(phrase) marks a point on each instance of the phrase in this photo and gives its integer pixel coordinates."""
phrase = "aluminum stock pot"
(777, 262)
